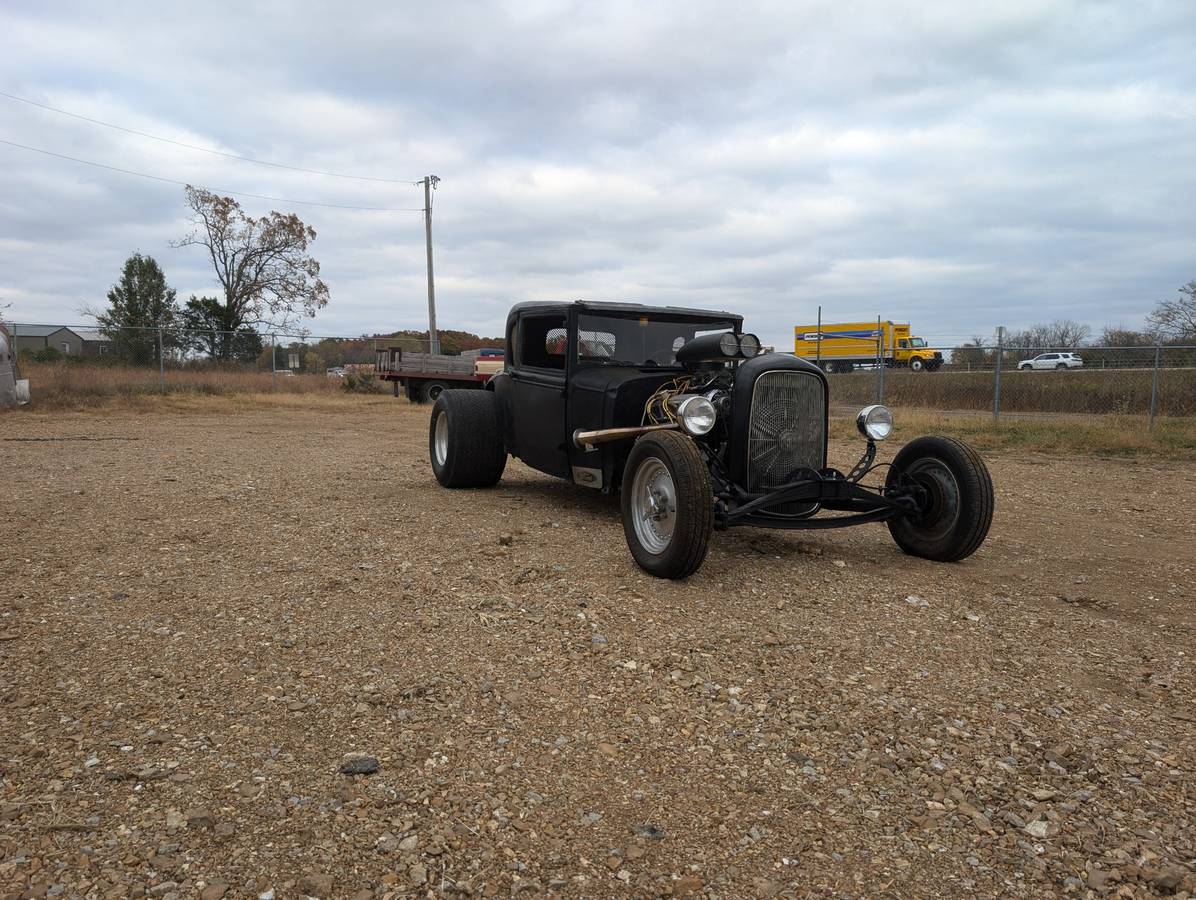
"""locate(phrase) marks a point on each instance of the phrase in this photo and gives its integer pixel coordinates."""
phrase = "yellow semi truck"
(841, 346)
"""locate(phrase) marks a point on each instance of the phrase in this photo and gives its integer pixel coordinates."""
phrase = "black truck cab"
(678, 412)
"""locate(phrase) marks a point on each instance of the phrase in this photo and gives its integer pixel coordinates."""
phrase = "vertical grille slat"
(787, 429)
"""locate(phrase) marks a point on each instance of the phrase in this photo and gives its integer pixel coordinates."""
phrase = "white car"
(1052, 361)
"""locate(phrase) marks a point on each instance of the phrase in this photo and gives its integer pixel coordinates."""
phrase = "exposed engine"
(712, 385)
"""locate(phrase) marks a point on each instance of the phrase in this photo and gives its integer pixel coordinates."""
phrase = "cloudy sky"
(956, 165)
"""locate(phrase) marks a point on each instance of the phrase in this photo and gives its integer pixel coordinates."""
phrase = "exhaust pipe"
(586, 439)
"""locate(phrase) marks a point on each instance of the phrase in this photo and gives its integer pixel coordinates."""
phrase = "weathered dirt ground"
(203, 611)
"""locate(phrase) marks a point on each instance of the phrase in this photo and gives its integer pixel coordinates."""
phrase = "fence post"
(818, 343)
(273, 364)
(1154, 385)
(880, 362)
(161, 363)
(997, 380)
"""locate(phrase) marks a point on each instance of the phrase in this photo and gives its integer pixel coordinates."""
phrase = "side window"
(903, 343)
(542, 341)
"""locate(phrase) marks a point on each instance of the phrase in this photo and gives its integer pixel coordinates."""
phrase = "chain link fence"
(88, 361)
(1030, 381)
(993, 380)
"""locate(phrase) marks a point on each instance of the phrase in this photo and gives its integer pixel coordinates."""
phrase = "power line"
(88, 162)
(165, 140)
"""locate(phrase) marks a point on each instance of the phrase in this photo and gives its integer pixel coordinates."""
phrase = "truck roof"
(602, 306)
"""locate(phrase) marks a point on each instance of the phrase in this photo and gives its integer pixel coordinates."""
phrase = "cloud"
(1022, 162)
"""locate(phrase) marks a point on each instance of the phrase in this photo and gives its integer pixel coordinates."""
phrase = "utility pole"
(430, 182)
(997, 381)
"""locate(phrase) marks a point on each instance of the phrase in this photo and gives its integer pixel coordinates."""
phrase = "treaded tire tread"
(976, 488)
(695, 505)
(476, 453)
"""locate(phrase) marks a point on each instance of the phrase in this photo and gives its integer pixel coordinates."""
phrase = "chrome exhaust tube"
(583, 439)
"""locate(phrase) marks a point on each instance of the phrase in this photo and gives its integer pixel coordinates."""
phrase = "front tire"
(958, 499)
(465, 439)
(916, 365)
(668, 505)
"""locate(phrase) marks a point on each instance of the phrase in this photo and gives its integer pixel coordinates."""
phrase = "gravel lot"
(205, 609)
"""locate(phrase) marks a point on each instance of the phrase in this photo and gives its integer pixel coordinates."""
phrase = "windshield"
(917, 342)
(639, 340)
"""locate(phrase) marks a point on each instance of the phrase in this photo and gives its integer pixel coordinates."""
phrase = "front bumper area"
(827, 490)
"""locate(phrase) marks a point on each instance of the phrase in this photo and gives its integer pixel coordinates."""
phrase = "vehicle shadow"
(559, 494)
(741, 542)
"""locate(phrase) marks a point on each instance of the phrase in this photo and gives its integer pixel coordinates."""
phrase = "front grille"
(787, 431)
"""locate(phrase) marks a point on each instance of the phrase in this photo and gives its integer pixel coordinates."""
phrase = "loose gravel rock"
(200, 624)
(358, 764)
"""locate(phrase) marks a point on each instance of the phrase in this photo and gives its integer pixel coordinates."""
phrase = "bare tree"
(1120, 336)
(1175, 319)
(1060, 334)
(971, 355)
(1064, 333)
(262, 264)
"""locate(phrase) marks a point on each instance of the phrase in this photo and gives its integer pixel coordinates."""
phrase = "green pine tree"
(138, 305)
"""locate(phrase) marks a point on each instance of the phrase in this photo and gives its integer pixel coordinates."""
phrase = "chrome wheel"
(654, 505)
(440, 443)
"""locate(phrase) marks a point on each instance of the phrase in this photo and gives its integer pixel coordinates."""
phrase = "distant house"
(67, 341)
(95, 342)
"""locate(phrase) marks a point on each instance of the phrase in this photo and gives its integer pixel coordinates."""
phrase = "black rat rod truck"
(677, 410)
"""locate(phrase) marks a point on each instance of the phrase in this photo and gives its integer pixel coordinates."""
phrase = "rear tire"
(668, 505)
(959, 493)
(1061, 366)
(465, 439)
(429, 391)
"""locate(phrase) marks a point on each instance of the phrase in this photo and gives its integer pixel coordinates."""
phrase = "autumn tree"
(262, 264)
(1175, 319)
(138, 305)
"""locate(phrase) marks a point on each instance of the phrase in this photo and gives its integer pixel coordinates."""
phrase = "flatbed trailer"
(423, 376)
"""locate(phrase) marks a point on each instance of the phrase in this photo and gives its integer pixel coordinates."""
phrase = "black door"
(538, 393)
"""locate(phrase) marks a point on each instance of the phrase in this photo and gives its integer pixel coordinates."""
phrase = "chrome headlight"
(749, 345)
(875, 422)
(696, 413)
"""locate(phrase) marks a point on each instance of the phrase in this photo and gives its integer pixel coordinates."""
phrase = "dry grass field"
(208, 602)
(1095, 391)
(73, 386)
(80, 386)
